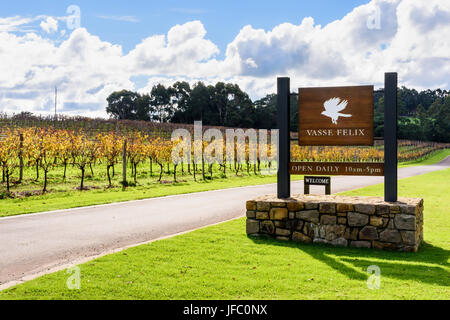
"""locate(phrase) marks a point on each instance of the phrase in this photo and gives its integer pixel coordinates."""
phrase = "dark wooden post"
(328, 189)
(283, 178)
(390, 136)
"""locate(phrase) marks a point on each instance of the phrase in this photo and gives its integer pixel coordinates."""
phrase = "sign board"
(338, 168)
(335, 116)
(321, 181)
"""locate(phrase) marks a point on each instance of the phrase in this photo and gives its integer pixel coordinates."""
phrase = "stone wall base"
(363, 222)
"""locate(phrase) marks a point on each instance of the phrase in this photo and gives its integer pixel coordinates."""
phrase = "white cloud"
(50, 25)
(181, 52)
(411, 39)
(15, 24)
(84, 68)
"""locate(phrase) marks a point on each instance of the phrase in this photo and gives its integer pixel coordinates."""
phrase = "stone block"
(280, 224)
(282, 232)
(252, 226)
(308, 215)
(409, 237)
(290, 224)
(351, 233)
(309, 228)
(278, 204)
(300, 237)
(384, 245)
(356, 219)
(321, 241)
(344, 207)
(382, 209)
(405, 222)
(390, 235)
(338, 230)
(262, 206)
(394, 209)
(342, 220)
(368, 233)
(365, 208)
(376, 221)
(267, 226)
(261, 215)
(327, 207)
(406, 209)
(339, 242)
(295, 206)
(321, 233)
(250, 214)
(390, 224)
(251, 205)
(278, 213)
(327, 219)
(311, 205)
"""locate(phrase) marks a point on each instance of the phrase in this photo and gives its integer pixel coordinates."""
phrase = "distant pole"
(390, 137)
(283, 178)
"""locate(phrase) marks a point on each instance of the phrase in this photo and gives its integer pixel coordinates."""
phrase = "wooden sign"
(335, 116)
(338, 168)
(321, 181)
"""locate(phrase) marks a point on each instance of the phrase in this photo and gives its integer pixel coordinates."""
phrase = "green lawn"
(221, 262)
(63, 193)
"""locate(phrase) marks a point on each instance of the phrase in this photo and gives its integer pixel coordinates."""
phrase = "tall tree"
(161, 100)
(144, 107)
(181, 93)
(198, 103)
(122, 105)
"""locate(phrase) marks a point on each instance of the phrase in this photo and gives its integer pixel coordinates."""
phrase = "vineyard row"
(46, 148)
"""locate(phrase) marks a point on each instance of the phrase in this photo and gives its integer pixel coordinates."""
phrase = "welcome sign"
(335, 116)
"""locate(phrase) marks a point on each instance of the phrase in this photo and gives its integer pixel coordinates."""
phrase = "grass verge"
(103, 195)
(221, 262)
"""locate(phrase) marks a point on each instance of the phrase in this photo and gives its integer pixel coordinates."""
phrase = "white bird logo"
(332, 107)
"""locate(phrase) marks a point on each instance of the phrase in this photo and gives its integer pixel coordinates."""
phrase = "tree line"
(423, 115)
(224, 104)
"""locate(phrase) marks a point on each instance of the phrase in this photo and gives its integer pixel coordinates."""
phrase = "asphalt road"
(36, 243)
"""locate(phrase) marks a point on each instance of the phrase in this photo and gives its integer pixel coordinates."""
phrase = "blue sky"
(128, 22)
(135, 45)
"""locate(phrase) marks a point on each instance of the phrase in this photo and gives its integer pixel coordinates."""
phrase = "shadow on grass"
(428, 265)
